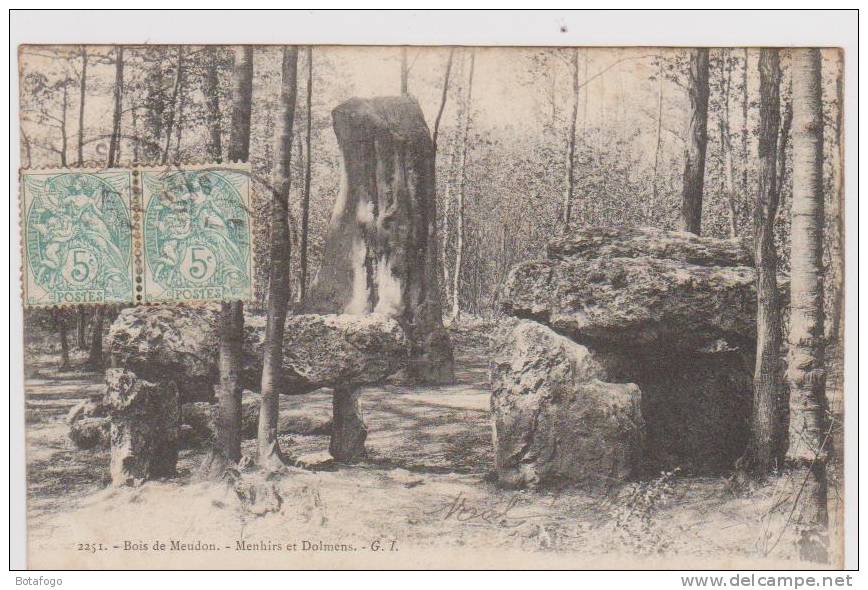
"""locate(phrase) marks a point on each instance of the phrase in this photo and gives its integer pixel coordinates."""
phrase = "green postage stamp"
(139, 235)
(196, 234)
(77, 234)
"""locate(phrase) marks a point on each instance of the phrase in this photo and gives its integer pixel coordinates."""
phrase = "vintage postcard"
(451, 307)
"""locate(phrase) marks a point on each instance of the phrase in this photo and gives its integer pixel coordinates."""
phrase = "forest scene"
(584, 304)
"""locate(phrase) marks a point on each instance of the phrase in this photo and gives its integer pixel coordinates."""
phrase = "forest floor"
(424, 498)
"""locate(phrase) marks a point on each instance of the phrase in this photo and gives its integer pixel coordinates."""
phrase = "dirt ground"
(424, 498)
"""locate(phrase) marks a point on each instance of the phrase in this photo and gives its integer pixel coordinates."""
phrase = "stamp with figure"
(196, 232)
(78, 238)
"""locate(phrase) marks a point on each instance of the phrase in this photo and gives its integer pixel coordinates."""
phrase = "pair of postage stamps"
(137, 235)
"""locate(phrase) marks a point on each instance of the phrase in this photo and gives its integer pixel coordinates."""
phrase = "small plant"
(634, 522)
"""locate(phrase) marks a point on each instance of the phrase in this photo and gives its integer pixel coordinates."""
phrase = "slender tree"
(694, 163)
(571, 141)
(82, 93)
(60, 324)
(212, 102)
(443, 95)
(745, 104)
(729, 178)
(808, 436)
(227, 443)
(81, 328)
(659, 142)
(836, 206)
(459, 246)
(405, 73)
(305, 195)
(64, 110)
(176, 95)
(95, 360)
(279, 288)
(767, 421)
(114, 154)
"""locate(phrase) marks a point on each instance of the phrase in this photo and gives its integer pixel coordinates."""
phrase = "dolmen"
(164, 371)
(633, 353)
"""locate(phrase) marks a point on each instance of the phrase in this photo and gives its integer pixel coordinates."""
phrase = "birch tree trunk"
(459, 246)
(434, 137)
(571, 143)
(767, 423)
(305, 202)
(114, 155)
(694, 164)
(278, 292)
(836, 215)
(808, 435)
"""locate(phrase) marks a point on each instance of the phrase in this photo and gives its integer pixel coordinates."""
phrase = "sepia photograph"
(432, 307)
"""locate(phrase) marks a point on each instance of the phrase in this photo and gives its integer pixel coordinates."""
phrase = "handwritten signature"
(460, 509)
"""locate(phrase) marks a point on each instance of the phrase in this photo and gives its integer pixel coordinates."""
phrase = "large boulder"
(556, 417)
(336, 350)
(381, 252)
(145, 419)
(635, 288)
(177, 343)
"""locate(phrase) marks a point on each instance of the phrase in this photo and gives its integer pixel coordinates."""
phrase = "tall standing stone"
(380, 252)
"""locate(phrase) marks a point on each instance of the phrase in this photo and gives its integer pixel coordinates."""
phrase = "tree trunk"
(60, 323)
(745, 103)
(305, 202)
(436, 133)
(212, 100)
(94, 358)
(571, 143)
(81, 101)
(658, 144)
(768, 420)
(114, 154)
(179, 117)
(694, 165)
(726, 145)
(136, 139)
(64, 139)
(81, 328)
(227, 443)
(156, 106)
(278, 292)
(808, 436)
(28, 149)
(459, 246)
(170, 124)
(836, 214)
(405, 73)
